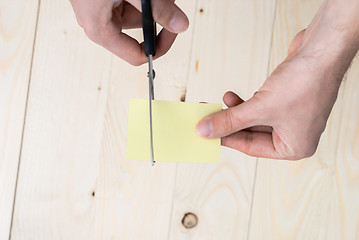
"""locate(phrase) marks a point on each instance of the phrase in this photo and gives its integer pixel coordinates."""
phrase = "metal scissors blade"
(149, 34)
(151, 97)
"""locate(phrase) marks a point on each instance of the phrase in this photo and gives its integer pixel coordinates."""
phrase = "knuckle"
(162, 14)
(80, 20)
(237, 119)
(231, 122)
(96, 32)
(158, 14)
(228, 120)
(301, 152)
(92, 31)
(308, 152)
(136, 62)
(81, 23)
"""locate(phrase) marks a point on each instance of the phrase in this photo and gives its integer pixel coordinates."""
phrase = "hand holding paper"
(174, 132)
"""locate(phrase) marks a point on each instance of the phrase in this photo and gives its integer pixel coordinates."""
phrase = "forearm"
(332, 38)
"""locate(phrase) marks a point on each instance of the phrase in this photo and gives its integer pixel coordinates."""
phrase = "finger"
(296, 43)
(167, 14)
(165, 39)
(103, 25)
(252, 143)
(170, 16)
(230, 120)
(231, 99)
(127, 48)
(131, 17)
(120, 44)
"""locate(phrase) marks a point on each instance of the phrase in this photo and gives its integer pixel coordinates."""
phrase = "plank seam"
(191, 48)
(257, 159)
(342, 85)
(252, 198)
(172, 203)
(24, 121)
(187, 81)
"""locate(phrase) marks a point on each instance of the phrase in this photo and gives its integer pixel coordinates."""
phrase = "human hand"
(104, 20)
(286, 117)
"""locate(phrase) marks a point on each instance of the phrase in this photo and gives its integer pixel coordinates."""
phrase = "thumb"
(228, 121)
(169, 16)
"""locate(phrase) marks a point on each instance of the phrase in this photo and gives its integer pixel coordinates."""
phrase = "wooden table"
(63, 123)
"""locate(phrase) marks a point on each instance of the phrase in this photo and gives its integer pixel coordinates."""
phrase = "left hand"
(104, 21)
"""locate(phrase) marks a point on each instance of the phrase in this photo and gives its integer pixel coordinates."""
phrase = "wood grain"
(17, 31)
(303, 200)
(135, 199)
(345, 220)
(74, 181)
(231, 46)
(62, 136)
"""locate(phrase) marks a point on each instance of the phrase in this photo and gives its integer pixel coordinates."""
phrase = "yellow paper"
(174, 132)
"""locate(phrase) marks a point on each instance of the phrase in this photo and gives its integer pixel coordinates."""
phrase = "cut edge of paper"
(169, 126)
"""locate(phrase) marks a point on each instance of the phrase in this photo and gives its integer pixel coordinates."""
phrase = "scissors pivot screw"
(154, 74)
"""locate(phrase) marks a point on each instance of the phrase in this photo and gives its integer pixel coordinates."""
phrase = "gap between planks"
(186, 85)
(257, 159)
(24, 122)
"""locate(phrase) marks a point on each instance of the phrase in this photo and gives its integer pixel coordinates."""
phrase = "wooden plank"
(17, 31)
(230, 52)
(302, 200)
(135, 199)
(62, 136)
(345, 221)
(73, 186)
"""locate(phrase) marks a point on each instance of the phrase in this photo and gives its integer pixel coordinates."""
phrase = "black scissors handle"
(149, 28)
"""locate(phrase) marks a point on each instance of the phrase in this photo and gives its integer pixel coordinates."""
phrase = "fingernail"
(204, 128)
(178, 23)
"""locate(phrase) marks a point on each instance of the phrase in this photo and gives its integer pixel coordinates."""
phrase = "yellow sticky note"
(174, 132)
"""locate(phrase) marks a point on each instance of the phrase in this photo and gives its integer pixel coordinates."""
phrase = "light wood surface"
(17, 31)
(133, 199)
(74, 181)
(222, 59)
(308, 199)
(63, 130)
(345, 220)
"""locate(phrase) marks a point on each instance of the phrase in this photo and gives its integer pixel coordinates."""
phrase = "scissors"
(149, 35)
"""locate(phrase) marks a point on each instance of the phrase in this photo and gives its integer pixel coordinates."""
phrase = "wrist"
(332, 38)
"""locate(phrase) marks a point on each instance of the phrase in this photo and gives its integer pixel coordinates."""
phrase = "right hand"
(287, 115)
(104, 20)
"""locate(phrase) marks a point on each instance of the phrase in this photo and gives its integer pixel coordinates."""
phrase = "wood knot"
(93, 194)
(189, 220)
(183, 98)
(201, 10)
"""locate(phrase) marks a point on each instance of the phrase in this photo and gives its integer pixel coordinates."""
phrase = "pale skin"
(286, 117)
(104, 20)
